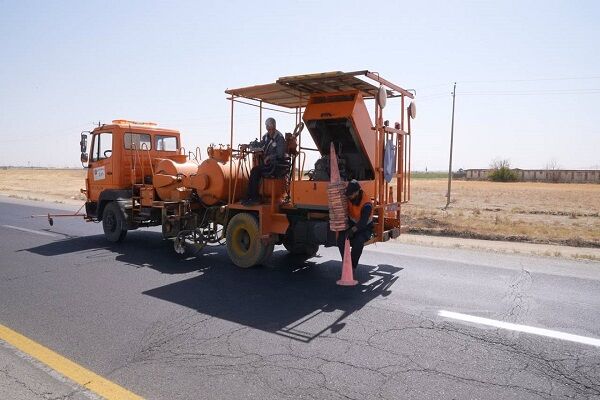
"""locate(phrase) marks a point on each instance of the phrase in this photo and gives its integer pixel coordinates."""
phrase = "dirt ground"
(551, 213)
(54, 185)
(544, 213)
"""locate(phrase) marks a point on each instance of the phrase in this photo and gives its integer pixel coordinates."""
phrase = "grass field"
(429, 175)
(536, 212)
(567, 214)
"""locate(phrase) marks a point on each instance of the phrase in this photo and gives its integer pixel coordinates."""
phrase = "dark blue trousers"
(357, 243)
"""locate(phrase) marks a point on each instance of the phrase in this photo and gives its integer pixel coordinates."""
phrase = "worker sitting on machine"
(360, 215)
(273, 149)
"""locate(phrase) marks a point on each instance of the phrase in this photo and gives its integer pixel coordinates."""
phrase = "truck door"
(100, 173)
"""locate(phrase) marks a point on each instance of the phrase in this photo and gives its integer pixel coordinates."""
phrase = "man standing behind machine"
(273, 147)
(360, 214)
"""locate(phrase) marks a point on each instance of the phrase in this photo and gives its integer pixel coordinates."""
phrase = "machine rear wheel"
(114, 223)
(306, 250)
(244, 245)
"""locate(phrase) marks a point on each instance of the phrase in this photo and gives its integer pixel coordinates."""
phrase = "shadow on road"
(141, 249)
(289, 296)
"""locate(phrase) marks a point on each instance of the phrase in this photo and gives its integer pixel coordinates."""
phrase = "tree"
(553, 165)
(498, 163)
(552, 173)
(501, 171)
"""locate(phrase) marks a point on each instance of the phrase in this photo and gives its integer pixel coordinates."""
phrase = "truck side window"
(102, 147)
(137, 141)
(166, 143)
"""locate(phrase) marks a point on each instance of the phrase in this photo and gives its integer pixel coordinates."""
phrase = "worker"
(360, 219)
(273, 149)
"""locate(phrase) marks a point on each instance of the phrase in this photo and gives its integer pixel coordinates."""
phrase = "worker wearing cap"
(273, 147)
(360, 215)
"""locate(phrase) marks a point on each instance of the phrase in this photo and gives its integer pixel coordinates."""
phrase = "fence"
(542, 175)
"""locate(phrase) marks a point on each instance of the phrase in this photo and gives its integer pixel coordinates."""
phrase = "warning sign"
(99, 173)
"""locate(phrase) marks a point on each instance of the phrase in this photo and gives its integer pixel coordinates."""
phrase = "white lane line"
(30, 231)
(520, 328)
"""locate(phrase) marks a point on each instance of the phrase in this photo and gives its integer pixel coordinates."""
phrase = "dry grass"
(526, 248)
(55, 185)
(525, 211)
(534, 212)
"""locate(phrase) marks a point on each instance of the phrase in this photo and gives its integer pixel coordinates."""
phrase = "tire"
(244, 245)
(114, 223)
(268, 253)
(301, 249)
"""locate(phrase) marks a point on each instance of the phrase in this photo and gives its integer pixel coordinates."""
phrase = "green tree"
(501, 171)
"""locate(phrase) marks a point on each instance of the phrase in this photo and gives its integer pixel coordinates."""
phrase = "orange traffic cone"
(334, 168)
(347, 275)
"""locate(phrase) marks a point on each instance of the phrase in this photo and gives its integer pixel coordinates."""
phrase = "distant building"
(460, 174)
(542, 175)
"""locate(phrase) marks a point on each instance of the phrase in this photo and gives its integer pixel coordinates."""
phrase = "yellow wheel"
(244, 246)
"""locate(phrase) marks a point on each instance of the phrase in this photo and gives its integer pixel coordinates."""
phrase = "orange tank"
(213, 178)
(172, 179)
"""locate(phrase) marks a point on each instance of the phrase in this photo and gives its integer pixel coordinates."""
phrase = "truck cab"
(121, 155)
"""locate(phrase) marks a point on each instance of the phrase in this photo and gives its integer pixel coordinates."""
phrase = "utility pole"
(451, 144)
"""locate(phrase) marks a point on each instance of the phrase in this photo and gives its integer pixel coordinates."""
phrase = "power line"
(571, 78)
(558, 91)
(433, 96)
(527, 94)
(435, 86)
(535, 79)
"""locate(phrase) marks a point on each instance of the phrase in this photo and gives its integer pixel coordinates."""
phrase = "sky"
(527, 72)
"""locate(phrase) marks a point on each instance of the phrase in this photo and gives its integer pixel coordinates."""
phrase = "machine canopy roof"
(294, 91)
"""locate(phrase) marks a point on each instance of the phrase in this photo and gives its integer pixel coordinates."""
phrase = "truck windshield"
(137, 141)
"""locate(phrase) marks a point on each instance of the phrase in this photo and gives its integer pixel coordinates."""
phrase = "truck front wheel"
(244, 245)
(114, 223)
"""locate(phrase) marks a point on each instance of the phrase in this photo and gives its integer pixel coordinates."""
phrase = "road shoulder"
(23, 378)
(576, 253)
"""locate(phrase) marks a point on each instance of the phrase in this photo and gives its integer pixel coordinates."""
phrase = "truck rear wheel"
(268, 253)
(244, 245)
(301, 249)
(114, 223)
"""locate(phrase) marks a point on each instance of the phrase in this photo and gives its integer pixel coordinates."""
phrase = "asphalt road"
(171, 328)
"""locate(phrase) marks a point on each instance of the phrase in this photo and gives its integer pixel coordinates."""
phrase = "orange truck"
(140, 175)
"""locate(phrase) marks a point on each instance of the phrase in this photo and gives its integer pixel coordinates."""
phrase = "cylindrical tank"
(170, 175)
(212, 181)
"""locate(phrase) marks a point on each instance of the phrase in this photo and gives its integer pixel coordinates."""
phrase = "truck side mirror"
(83, 142)
(83, 147)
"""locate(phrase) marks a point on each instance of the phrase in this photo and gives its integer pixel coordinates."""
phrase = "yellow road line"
(75, 372)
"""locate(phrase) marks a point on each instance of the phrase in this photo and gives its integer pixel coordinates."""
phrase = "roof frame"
(294, 91)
